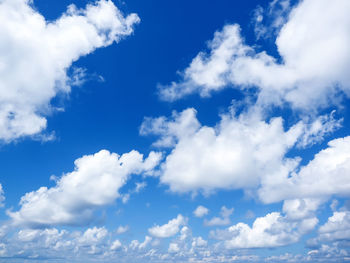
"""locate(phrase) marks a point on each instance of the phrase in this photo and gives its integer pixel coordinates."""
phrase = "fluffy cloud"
(221, 221)
(169, 229)
(322, 177)
(35, 55)
(245, 152)
(199, 242)
(173, 248)
(116, 245)
(272, 230)
(95, 182)
(241, 151)
(336, 228)
(200, 211)
(135, 244)
(303, 78)
(93, 236)
(297, 209)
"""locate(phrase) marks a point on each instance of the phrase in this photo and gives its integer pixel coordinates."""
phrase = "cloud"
(337, 227)
(303, 78)
(122, 229)
(95, 182)
(297, 209)
(224, 220)
(272, 230)
(116, 245)
(268, 22)
(93, 236)
(234, 151)
(35, 56)
(241, 151)
(168, 230)
(199, 242)
(173, 248)
(135, 244)
(322, 177)
(200, 211)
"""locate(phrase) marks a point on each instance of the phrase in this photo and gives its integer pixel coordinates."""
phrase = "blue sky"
(184, 131)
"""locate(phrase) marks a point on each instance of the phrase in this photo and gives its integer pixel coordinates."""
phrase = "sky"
(174, 131)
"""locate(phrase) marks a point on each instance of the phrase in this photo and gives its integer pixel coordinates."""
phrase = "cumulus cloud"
(272, 230)
(199, 242)
(322, 177)
(116, 245)
(298, 209)
(35, 56)
(223, 220)
(303, 78)
(93, 235)
(241, 151)
(336, 228)
(95, 182)
(173, 248)
(135, 244)
(200, 211)
(170, 229)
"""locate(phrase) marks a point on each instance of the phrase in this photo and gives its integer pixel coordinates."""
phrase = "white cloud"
(181, 125)
(173, 248)
(170, 229)
(298, 209)
(224, 220)
(116, 245)
(199, 242)
(125, 198)
(135, 244)
(273, 230)
(322, 177)
(303, 78)
(93, 236)
(35, 55)
(245, 152)
(336, 228)
(200, 211)
(235, 154)
(269, 21)
(145, 243)
(47, 237)
(140, 186)
(122, 229)
(95, 182)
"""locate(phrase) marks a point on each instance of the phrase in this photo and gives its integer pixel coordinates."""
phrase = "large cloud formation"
(240, 152)
(35, 55)
(315, 60)
(95, 182)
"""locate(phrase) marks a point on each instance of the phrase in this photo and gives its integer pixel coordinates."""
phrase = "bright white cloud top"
(313, 45)
(35, 55)
(95, 182)
(170, 229)
(241, 151)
